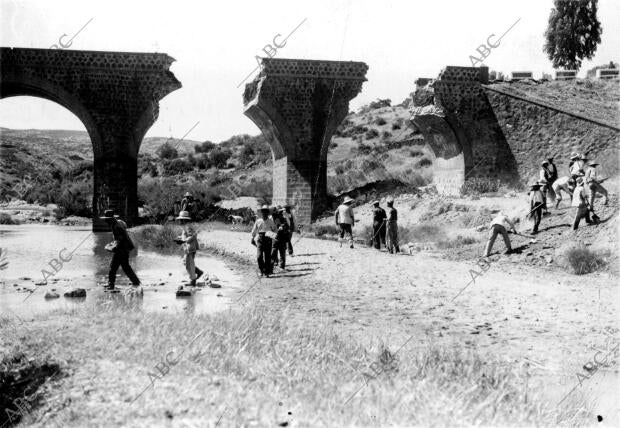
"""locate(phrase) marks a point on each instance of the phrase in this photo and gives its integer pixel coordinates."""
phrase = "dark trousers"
(279, 247)
(378, 235)
(121, 258)
(536, 216)
(263, 254)
(289, 244)
(582, 212)
(346, 228)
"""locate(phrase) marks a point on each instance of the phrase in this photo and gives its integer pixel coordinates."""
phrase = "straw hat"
(187, 194)
(574, 155)
(347, 200)
(375, 202)
(184, 215)
(265, 208)
(543, 163)
(593, 163)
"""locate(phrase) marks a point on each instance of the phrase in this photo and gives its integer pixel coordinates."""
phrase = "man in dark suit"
(120, 247)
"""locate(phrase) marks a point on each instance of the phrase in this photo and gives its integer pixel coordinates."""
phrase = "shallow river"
(30, 249)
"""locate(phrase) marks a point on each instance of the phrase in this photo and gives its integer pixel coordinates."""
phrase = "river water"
(31, 249)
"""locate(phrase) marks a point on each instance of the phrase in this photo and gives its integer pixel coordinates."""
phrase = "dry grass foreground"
(249, 367)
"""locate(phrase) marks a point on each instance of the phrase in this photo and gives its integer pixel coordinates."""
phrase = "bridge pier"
(298, 104)
(115, 95)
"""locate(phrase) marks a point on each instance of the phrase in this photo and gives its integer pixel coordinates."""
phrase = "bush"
(457, 242)
(386, 134)
(380, 121)
(583, 260)
(364, 149)
(7, 219)
(160, 237)
(414, 153)
(166, 151)
(176, 166)
(204, 147)
(324, 229)
(371, 133)
(219, 157)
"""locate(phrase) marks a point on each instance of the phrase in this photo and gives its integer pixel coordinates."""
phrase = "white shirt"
(502, 220)
(590, 175)
(579, 197)
(345, 214)
(561, 182)
(263, 226)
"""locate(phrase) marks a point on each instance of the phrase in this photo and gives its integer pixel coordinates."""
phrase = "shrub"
(386, 134)
(380, 121)
(371, 133)
(7, 219)
(414, 153)
(176, 166)
(457, 242)
(157, 236)
(395, 126)
(583, 260)
(219, 157)
(204, 147)
(324, 229)
(166, 151)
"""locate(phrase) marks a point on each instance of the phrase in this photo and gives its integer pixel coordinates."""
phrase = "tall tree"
(573, 33)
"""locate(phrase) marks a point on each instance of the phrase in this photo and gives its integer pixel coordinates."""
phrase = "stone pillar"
(298, 104)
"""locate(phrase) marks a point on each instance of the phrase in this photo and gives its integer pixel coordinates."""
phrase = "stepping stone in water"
(51, 295)
(214, 285)
(77, 292)
(184, 292)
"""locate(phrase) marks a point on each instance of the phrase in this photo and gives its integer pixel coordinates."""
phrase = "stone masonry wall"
(534, 132)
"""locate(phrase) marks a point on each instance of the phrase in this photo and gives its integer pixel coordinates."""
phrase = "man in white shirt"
(565, 184)
(263, 233)
(345, 219)
(580, 201)
(593, 184)
(498, 226)
(576, 165)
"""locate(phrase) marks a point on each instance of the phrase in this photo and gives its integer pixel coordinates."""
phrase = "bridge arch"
(115, 95)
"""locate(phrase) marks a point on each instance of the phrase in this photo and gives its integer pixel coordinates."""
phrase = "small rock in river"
(51, 295)
(40, 283)
(76, 292)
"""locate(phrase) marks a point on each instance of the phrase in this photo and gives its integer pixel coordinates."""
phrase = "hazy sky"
(215, 44)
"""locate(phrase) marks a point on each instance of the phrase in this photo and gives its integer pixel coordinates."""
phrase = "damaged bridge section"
(460, 127)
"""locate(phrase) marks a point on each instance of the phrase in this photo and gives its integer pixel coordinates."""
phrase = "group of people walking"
(581, 184)
(271, 235)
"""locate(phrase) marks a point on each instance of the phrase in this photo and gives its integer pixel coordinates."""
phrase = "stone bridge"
(115, 95)
(298, 104)
(459, 125)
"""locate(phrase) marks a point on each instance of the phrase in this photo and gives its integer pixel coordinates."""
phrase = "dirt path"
(555, 322)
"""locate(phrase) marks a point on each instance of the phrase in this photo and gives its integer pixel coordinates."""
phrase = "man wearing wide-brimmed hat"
(536, 205)
(282, 237)
(378, 225)
(546, 179)
(593, 184)
(391, 240)
(189, 239)
(580, 202)
(576, 165)
(345, 219)
(120, 247)
(263, 233)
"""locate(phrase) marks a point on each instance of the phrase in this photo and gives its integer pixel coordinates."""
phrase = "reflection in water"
(34, 248)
